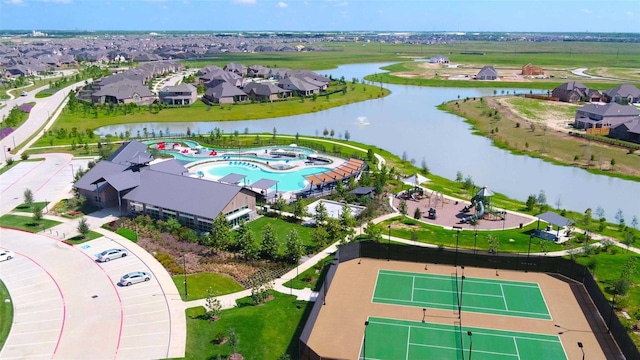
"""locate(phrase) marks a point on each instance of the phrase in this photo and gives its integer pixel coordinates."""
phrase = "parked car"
(111, 254)
(24, 93)
(134, 278)
(6, 255)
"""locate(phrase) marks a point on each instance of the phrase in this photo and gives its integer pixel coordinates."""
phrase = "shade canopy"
(555, 219)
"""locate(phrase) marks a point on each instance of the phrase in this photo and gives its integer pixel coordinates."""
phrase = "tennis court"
(391, 339)
(497, 297)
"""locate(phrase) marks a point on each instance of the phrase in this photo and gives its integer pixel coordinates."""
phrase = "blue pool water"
(287, 181)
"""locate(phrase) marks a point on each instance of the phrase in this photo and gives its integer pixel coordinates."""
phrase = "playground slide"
(475, 216)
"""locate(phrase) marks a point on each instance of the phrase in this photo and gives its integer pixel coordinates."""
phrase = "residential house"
(137, 185)
(624, 94)
(628, 131)
(182, 94)
(239, 69)
(265, 91)
(232, 78)
(301, 87)
(224, 93)
(487, 73)
(20, 70)
(124, 92)
(531, 70)
(439, 59)
(604, 116)
(574, 91)
(258, 71)
(279, 73)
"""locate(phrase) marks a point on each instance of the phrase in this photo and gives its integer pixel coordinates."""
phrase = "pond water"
(407, 121)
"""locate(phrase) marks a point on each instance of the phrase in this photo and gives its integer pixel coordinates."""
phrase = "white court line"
(474, 280)
(504, 298)
(515, 343)
(413, 286)
(456, 349)
(408, 343)
(466, 293)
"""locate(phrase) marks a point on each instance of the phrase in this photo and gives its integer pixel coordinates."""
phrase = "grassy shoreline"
(550, 146)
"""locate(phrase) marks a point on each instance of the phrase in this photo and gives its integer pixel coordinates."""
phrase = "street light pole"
(460, 302)
(364, 342)
(475, 240)
(581, 348)
(458, 228)
(470, 343)
(526, 267)
(389, 244)
(184, 267)
(613, 306)
(73, 175)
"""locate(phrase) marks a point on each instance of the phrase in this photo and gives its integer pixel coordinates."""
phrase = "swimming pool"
(287, 181)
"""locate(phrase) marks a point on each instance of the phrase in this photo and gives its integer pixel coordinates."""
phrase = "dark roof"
(555, 219)
(362, 191)
(624, 91)
(127, 151)
(610, 109)
(487, 71)
(124, 180)
(184, 194)
(224, 90)
(572, 85)
(264, 184)
(171, 166)
(232, 178)
(102, 169)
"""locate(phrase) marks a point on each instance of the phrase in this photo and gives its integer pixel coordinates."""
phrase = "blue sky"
(323, 15)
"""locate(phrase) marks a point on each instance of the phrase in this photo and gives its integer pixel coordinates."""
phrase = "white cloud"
(586, 11)
(629, 13)
(282, 4)
(245, 2)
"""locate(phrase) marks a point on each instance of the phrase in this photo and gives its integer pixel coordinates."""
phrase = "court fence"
(482, 259)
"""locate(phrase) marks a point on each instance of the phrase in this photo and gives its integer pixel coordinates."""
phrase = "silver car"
(111, 254)
(134, 278)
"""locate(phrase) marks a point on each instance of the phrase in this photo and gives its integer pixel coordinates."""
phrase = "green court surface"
(391, 339)
(497, 297)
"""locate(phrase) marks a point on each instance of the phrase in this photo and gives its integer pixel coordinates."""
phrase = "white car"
(24, 93)
(134, 278)
(110, 254)
(6, 255)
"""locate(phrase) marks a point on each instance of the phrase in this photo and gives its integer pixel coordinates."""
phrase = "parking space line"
(40, 291)
(46, 356)
(148, 312)
(39, 311)
(37, 302)
(142, 347)
(35, 332)
(147, 323)
(38, 321)
(147, 334)
(155, 301)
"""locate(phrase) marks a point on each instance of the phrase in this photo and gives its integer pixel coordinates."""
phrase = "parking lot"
(68, 306)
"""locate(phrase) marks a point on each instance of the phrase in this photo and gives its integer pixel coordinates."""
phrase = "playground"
(438, 209)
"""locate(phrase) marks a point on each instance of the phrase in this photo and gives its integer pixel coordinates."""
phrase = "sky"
(323, 15)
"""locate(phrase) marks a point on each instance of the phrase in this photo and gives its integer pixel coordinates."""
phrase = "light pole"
(470, 343)
(526, 267)
(613, 306)
(581, 348)
(184, 267)
(389, 244)
(458, 228)
(73, 175)
(460, 302)
(364, 341)
(475, 240)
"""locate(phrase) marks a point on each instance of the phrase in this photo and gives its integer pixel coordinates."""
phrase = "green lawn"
(313, 277)
(27, 208)
(265, 332)
(197, 285)
(79, 239)
(128, 234)
(404, 227)
(281, 229)
(26, 223)
(6, 314)
(202, 112)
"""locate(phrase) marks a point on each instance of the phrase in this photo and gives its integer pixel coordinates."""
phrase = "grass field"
(390, 339)
(497, 297)
(281, 229)
(198, 284)
(265, 332)
(78, 239)
(6, 314)
(26, 223)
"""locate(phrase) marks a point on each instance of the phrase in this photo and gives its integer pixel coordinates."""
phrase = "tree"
(542, 198)
(424, 167)
(325, 132)
(494, 244)
(599, 212)
(332, 133)
(613, 163)
(321, 214)
(83, 227)
(417, 214)
(261, 283)
(347, 135)
(213, 305)
(247, 244)
(299, 210)
(28, 197)
(234, 340)
(531, 202)
(320, 236)
(294, 247)
(275, 131)
(269, 243)
(620, 219)
(587, 217)
(459, 176)
(220, 233)
(347, 221)
(634, 222)
(373, 231)
(402, 207)
(37, 214)
(629, 238)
